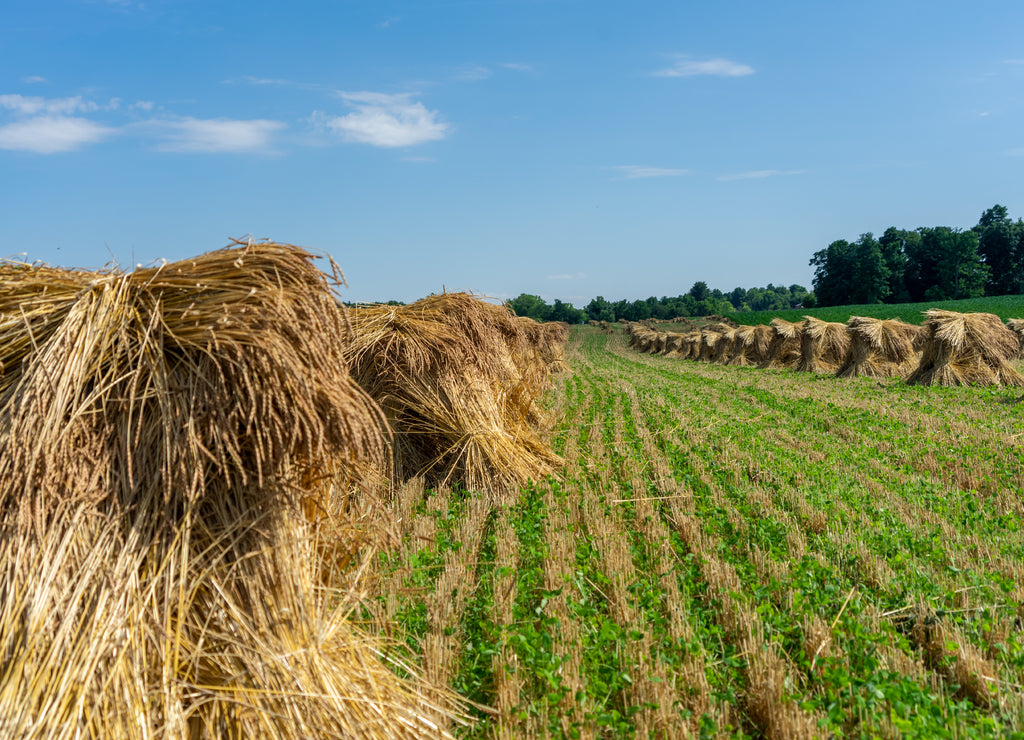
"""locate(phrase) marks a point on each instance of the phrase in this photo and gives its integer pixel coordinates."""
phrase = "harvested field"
(731, 553)
(712, 551)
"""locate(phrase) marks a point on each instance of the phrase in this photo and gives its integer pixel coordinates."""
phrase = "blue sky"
(558, 147)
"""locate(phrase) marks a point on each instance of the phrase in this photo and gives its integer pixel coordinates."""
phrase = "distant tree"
(798, 295)
(922, 271)
(997, 214)
(894, 252)
(834, 270)
(700, 291)
(641, 311)
(533, 306)
(599, 310)
(949, 259)
(870, 274)
(565, 312)
(738, 297)
(1001, 246)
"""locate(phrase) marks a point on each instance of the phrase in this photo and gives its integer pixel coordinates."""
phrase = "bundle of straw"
(545, 344)
(966, 349)
(880, 348)
(823, 345)
(691, 347)
(726, 348)
(784, 349)
(176, 450)
(709, 339)
(674, 344)
(1017, 327)
(458, 382)
(744, 346)
(645, 340)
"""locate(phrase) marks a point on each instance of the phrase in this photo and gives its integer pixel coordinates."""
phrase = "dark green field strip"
(821, 583)
(1006, 307)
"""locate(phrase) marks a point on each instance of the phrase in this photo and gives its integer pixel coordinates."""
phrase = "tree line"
(699, 301)
(924, 264)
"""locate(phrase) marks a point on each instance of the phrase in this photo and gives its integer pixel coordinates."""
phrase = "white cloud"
(684, 66)
(1014, 152)
(146, 105)
(31, 105)
(387, 120)
(758, 174)
(33, 80)
(636, 172)
(51, 134)
(518, 67)
(217, 135)
(573, 276)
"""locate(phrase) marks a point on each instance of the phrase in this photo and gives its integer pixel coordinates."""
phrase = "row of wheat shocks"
(950, 348)
(459, 379)
(186, 459)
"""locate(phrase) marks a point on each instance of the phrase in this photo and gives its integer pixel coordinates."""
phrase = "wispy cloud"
(636, 172)
(387, 120)
(518, 67)
(684, 66)
(474, 73)
(1013, 61)
(1018, 152)
(573, 276)
(51, 134)
(253, 80)
(28, 105)
(217, 135)
(758, 174)
(33, 80)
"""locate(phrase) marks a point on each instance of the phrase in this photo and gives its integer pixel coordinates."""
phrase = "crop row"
(727, 551)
